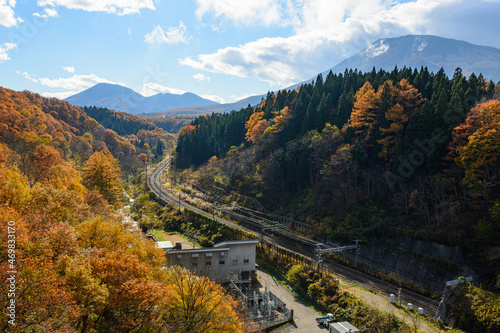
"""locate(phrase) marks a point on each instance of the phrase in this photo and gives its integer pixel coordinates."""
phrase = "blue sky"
(223, 50)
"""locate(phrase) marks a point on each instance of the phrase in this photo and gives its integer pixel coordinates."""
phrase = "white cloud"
(7, 16)
(4, 48)
(173, 35)
(266, 12)
(26, 75)
(214, 98)
(200, 77)
(47, 12)
(69, 69)
(326, 32)
(120, 7)
(60, 95)
(70, 85)
(270, 59)
(150, 89)
(76, 82)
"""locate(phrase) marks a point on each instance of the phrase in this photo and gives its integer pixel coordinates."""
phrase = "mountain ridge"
(410, 51)
(120, 98)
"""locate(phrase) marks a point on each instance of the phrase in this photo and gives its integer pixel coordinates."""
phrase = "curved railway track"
(252, 221)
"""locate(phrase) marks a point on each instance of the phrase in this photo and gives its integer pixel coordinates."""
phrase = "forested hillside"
(69, 260)
(121, 122)
(407, 153)
(171, 124)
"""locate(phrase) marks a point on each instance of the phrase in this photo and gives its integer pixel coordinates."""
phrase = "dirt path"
(382, 303)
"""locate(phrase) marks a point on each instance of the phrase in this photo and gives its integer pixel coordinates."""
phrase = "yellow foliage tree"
(102, 172)
(197, 304)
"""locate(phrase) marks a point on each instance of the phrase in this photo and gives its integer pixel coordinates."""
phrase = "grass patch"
(160, 234)
(163, 235)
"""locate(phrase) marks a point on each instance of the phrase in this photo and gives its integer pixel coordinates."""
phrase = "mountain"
(116, 97)
(207, 109)
(425, 50)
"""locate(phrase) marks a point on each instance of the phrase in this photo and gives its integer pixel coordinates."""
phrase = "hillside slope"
(408, 159)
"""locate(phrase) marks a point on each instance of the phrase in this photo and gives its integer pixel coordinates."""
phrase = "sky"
(223, 50)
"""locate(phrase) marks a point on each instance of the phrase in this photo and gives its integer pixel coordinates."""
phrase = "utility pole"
(357, 249)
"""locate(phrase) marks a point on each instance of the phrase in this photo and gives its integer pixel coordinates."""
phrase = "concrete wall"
(209, 263)
(240, 258)
(218, 263)
(428, 264)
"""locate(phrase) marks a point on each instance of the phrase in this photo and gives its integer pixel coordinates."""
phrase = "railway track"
(252, 222)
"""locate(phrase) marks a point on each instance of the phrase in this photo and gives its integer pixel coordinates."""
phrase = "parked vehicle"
(325, 321)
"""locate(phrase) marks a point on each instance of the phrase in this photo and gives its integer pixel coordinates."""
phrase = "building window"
(222, 262)
(246, 261)
(208, 263)
(235, 262)
(194, 264)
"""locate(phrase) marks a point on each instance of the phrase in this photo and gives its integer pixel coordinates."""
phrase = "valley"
(232, 166)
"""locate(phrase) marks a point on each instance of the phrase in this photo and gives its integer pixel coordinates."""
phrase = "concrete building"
(225, 262)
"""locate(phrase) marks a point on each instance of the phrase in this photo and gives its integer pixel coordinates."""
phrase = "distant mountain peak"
(120, 98)
(429, 51)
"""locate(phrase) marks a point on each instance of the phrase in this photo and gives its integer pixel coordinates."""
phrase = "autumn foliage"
(78, 267)
(102, 172)
(480, 134)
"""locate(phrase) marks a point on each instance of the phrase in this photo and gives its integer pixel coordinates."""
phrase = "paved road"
(304, 316)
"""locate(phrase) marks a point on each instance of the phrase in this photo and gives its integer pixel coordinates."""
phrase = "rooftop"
(164, 245)
(344, 327)
(208, 249)
(236, 242)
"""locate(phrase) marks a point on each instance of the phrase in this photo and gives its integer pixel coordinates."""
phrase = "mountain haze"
(204, 109)
(116, 97)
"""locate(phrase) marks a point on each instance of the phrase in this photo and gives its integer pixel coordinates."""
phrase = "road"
(304, 316)
(349, 274)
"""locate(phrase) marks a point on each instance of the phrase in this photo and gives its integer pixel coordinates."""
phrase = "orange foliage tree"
(364, 117)
(480, 155)
(392, 135)
(255, 118)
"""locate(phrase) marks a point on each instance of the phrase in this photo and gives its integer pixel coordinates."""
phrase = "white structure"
(225, 262)
(342, 327)
(165, 245)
